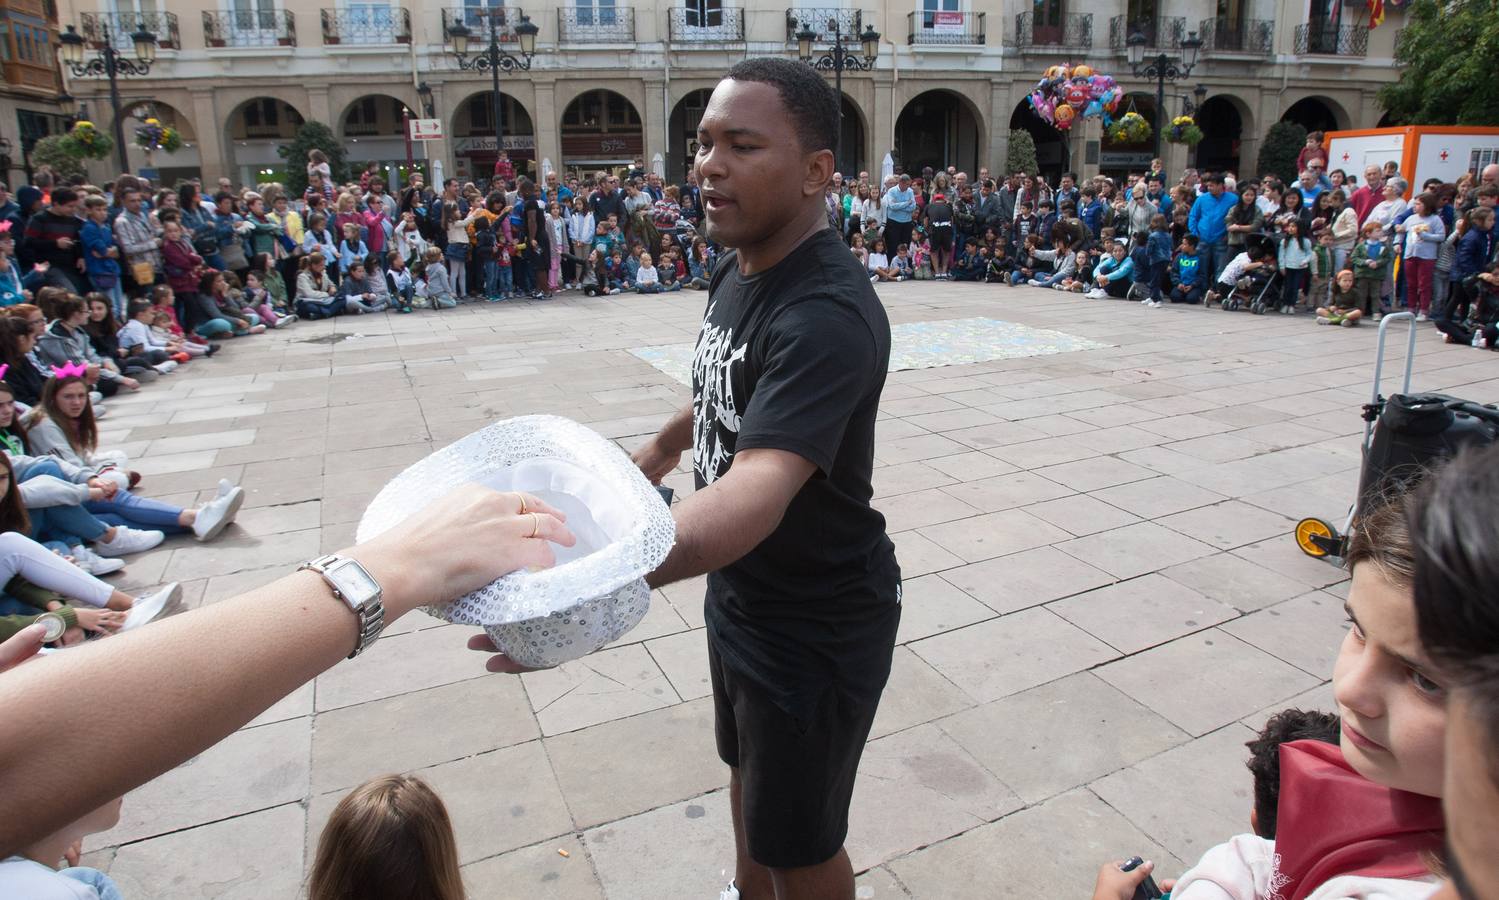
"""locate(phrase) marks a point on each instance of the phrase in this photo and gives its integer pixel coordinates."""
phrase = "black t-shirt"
(605, 203)
(794, 358)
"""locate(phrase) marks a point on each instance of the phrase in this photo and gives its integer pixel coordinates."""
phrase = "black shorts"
(797, 776)
(942, 237)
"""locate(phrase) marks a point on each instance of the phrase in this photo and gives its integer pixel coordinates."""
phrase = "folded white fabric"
(597, 590)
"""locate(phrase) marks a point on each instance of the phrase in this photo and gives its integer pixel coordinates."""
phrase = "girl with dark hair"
(388, 839)
(17, 340)
(103, 335)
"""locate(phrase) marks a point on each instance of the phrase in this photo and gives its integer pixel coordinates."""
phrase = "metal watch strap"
(371, 615)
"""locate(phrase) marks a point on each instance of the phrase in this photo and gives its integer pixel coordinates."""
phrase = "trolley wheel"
(1316, 538)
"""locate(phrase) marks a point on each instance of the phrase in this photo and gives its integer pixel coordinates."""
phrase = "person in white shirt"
(647, 279)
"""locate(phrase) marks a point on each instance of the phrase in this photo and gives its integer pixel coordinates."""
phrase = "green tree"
(1022, 153)
(1278, 151)
(53, 151)
(312, 135)
(1447, 55)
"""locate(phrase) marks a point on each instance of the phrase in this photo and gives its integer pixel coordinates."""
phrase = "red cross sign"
(1444, 156)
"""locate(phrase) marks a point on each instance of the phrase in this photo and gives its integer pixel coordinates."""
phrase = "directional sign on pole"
(426, 129)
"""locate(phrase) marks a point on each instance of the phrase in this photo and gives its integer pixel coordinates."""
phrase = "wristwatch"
(353, 584)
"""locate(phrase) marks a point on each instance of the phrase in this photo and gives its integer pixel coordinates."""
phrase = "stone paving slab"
(1082, 533)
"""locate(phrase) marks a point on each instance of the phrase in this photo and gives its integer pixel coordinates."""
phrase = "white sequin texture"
(597, 590)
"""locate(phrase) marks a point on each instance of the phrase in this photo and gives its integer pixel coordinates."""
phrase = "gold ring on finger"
(522, 497)
(535, 525)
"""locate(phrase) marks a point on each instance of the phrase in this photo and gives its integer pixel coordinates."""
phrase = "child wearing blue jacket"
(1158, 251)
(351, 249)
(1114, 275)
(1187, 274)
(101, 258)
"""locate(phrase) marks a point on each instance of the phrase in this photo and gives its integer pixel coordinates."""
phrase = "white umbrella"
(546, 167)
(658, 165)
(887, 168)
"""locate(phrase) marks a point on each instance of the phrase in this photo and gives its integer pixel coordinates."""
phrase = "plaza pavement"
(1102, 598)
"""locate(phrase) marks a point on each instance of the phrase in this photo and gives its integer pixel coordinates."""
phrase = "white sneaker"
(151, 606)
(1421, 317)
(95, 397)
(93, 563)
(1155, 303)
(166, 368)
(729, 893)
(225, 486)
(128, 540)
(217, 513)
(99, 410)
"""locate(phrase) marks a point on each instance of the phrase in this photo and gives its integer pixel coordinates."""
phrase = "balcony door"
(1141, 15)
(1323, 19)
(929, 7)
(252, 23)
(1230, 24)
(1050, 22)
(601, 13)
(370, 23)
(703, 14)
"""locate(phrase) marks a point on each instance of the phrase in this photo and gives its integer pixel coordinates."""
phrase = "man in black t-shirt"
(803, 588)
(803, 595)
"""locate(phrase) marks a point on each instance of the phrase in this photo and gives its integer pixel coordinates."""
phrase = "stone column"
(213, 155)
(1001, 108)
(882, 130)
(545, 121)
(318, 107)
(653, 120)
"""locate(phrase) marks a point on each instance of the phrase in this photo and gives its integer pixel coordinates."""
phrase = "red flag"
(1376, 13)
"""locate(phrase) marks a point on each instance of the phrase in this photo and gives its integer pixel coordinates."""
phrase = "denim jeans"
(138, 512)
(1214, 259)
(491, 278)
(71, 525)
(102, 884)
(507, 280)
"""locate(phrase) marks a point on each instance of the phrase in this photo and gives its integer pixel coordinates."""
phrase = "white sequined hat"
(597, 590)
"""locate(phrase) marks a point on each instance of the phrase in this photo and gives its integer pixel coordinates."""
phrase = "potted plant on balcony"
(87, 142)
(1184, 130)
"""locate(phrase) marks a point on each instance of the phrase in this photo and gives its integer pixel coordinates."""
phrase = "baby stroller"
(1404, 436)
(1253, 291)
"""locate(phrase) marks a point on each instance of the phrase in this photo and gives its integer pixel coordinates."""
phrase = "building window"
(5, 51)
(704, 13)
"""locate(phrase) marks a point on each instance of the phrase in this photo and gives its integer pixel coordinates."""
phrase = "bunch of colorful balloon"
(1066, 94)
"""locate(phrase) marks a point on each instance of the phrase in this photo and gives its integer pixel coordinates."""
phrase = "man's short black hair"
(1264, 757)
(63, 196)
(1212, 178)
(808, 97)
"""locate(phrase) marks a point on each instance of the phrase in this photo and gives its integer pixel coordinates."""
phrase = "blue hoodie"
(1187, 269)
(1208, 214)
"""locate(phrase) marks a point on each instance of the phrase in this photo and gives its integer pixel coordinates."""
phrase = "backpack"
(484, 237)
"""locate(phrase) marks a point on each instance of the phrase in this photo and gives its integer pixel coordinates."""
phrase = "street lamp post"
(839, 59)
(494, 58)
(112, 64)
(1163, 69)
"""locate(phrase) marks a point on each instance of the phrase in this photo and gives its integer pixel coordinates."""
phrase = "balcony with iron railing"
(366, 25)
(250, 28)
(1074, 32)
(825, 22)
(477, 19)
(1253, 36)
(1331, 40)
(596, 24)
(1161, 32)
(122, 25)
(706, 25)
(932, 28)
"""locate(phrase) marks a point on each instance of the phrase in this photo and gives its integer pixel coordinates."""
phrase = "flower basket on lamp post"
(87, 142)
(152, 136)
(1184, 130)
(1130, 128)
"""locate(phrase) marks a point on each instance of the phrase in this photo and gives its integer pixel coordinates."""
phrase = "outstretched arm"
(162, 694)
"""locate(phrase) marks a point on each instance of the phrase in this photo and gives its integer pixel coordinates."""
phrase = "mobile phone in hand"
(1147, 889)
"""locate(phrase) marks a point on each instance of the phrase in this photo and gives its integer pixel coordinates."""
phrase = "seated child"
(361, 293)
(904, 268)
(1481, 329)
(880, 266)
(1186, 272)
(1114, 276)
(1062, 258)
(1343, 307)
(439, 287)
(619, 277)
(1264, 759)
(1082, 280)
(258, 299)
(1361, 818)
(398, 281)
(389, 837)
(648, 279)
(351, 248)
(921, 257)
(972, 262)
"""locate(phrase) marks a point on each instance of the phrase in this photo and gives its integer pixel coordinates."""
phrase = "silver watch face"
(353, 582)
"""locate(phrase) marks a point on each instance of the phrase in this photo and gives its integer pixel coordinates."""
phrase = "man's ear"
(819, 173)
